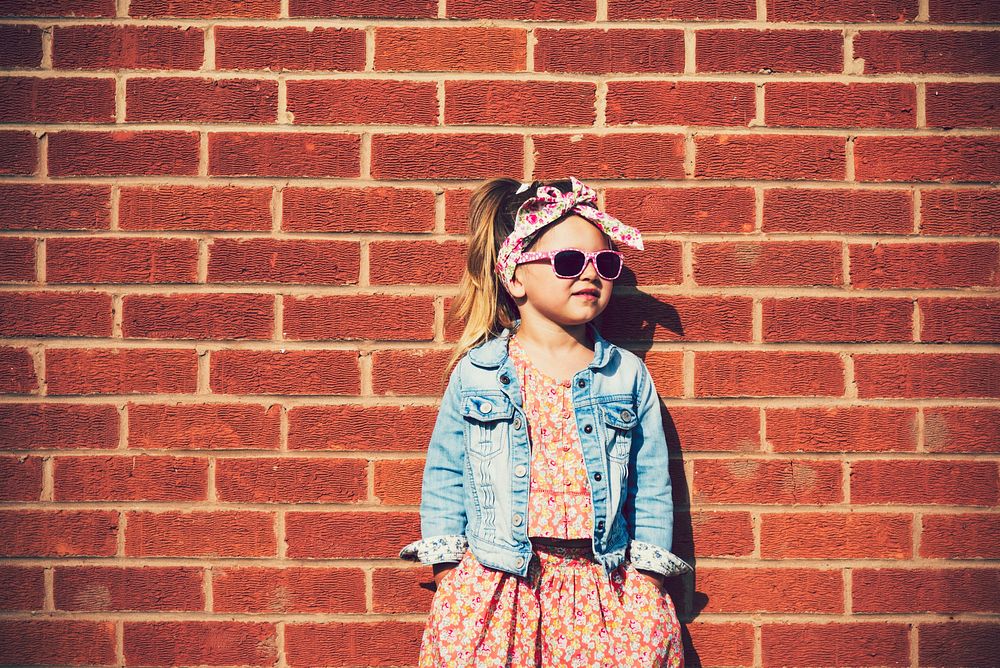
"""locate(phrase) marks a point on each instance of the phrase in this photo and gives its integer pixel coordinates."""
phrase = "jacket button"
(518, 519)
(517, 423)
(581, 383)
(597, 476)
(626, 415)
(519, 562)
(588, 428)
(600, 524)
(505, 379)
(520, 470)
(486, 407)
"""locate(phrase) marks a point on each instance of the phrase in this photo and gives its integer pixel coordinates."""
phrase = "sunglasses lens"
(608, 264)
(568, 263)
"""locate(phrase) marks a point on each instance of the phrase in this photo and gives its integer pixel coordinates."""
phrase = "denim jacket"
(476, 476)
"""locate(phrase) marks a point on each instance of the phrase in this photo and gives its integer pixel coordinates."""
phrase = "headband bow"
(548, 204)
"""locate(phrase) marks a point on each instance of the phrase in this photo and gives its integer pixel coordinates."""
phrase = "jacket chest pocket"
(487, 424)
(619, 420)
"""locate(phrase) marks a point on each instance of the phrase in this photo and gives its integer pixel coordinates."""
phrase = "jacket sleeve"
(442, 499)
(649, 506)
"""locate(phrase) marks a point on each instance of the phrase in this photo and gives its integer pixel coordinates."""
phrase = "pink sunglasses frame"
(588, 257)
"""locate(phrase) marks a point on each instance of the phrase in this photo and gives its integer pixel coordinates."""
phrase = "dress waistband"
(582, 546)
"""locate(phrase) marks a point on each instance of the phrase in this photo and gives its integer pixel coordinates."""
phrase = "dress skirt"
(564, 613)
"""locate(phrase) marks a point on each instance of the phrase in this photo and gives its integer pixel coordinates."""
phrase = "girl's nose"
(589, 269)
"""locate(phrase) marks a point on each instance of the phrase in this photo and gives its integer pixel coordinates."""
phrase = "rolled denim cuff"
(653, 558)
(436, 549)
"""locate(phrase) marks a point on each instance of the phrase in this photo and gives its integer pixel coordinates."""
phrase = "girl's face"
(565, 301)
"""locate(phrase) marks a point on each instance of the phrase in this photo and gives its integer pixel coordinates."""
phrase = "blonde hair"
(482, 301)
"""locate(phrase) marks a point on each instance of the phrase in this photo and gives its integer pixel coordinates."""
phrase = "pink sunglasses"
(570, 262)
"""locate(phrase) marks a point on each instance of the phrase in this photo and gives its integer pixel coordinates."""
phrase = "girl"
(546, 507)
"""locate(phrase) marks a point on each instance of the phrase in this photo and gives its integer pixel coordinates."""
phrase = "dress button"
(565, 448)
(486, 407)
(588, 428)
(566, 415)
(520, 470)
(518, 519)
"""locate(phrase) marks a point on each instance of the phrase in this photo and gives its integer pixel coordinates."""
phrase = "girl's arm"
(649, 506)
(442, 500)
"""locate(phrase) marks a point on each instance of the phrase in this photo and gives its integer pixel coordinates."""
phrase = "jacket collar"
(492, 352)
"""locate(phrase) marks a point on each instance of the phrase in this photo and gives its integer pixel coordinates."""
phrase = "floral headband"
(548, 204)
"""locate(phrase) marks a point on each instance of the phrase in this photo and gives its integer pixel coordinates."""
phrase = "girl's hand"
(656, 578)
(440, 570)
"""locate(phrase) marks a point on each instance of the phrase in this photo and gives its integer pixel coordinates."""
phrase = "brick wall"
(230, 232)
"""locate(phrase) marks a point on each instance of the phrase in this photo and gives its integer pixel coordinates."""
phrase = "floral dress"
(566, 611)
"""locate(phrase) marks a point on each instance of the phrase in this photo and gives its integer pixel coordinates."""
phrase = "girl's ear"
(516, 288)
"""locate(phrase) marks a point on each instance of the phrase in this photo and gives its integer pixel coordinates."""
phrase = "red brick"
(379, 209)
(201, 100)
(811, 157)
(370, 428)
(409, 372)
(926, 51)
(771, 590)
(385, 643)
(521, 10)
(284, 154)
(293, 261)
(713, 534)
(958, 320)
(198, 316)
(962, 483)
(966, 211)
(820, 105)
(23, 587)
(446, 156)
(769, 51)
(261, 9)
(374, 8)
(768, 263)
(123, 153)
(204, 426)
(359, 101)
(228, 208)
(19, 371)
(350, 535)
(291, 589)
(103, 47)
(17, 259)
(18, 152)
(835, 536)
(760, 373)
(402, 589)
(200, 534)
(131, 478)
(57, 426)
(925, 265)
(714, 428)
(612, 156)
(456, 210)
(57, 642)
(831, 319)
(929, 375)
(291, 480)
(398, 482)
(289, 48)
(962, 536)
(962, 429)
(767, 481)
(55, 314)
(846, 211)
(836, 644)
(680, 103)
(22, 479)
(606, 51)
(146, 588)
(966, 590)
(121, 260)
(55, 207)
(962, 105)
(718, 644)
(519, 103)
(964, 11)
(681, 9)
(60, 8)
(21, 45)
(120, 371)
(295, 372)
(888, 11)
(925, 158)
(679, 210)
(214, 643)
(667, 371)
(57, 100)
(359, 317)
(959, 643)
(58, 533)
(399, 262)
(645, 317)
(842, 429)
(465, 49)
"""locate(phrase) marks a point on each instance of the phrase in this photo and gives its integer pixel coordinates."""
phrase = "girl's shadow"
(632, 321)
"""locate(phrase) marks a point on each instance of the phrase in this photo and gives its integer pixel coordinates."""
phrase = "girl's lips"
(593, 294)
